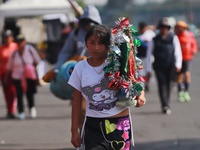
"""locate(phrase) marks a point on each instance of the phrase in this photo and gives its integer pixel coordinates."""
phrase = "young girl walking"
(107, 125)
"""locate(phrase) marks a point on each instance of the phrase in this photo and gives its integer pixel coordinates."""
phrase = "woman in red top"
(189, 47)
(8, 87)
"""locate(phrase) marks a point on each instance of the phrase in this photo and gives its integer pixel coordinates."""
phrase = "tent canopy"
(33, 8)
(16, 8)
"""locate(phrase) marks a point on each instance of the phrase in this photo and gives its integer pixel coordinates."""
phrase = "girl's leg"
(93, 138)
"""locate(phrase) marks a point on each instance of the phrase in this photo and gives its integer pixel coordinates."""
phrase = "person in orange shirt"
(189, 48)
(6, 49)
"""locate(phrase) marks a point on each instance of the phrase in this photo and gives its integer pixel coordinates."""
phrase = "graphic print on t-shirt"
(100, 96)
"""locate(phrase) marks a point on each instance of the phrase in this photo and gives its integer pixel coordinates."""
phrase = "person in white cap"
(166, 50)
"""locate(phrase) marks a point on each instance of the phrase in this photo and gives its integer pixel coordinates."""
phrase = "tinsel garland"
(123, 65)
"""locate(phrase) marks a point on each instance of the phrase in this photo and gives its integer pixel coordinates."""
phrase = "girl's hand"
(76, 139)
(141, 100)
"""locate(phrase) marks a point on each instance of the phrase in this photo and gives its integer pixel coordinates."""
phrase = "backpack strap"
(76, 31)
(30, 51)
(75, 43)
(12, 57)
(75, 38)
(13, 54)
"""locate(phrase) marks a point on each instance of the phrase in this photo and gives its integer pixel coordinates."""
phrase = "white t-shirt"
(15, 63)
(91, 82)
(148, 35)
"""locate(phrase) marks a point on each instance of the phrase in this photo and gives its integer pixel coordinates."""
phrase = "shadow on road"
(43, 118)
(16, 147)
(149, 113)
(40, 149)
(179, 144)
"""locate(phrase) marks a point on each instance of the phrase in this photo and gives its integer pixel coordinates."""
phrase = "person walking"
(145, 37)
(189, 48)
(75, 42)
(74, 48)
(166, 50)
(6, 49)
(89, 80)
(21, 66)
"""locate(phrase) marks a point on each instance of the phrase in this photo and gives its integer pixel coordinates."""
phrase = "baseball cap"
(164, 23)
(182, 24)
(20, 38)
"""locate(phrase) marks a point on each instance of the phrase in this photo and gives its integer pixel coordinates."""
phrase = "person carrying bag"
(30, 73)
(22, 68)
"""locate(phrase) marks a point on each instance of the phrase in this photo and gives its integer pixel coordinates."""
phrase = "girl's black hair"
(102, 31)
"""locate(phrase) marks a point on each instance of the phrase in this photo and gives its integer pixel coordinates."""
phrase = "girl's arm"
(76, 113)
(35, 55)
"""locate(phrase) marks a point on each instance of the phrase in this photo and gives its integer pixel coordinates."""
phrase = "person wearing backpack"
(73, 49)
(165, 47)
(75, 43)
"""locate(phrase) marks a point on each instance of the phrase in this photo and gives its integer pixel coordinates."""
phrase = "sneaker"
(166, 110)
(187, 96)
(22, 116)
(181, 96)
(33, 112)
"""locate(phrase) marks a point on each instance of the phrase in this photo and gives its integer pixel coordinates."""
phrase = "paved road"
(152, 130)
